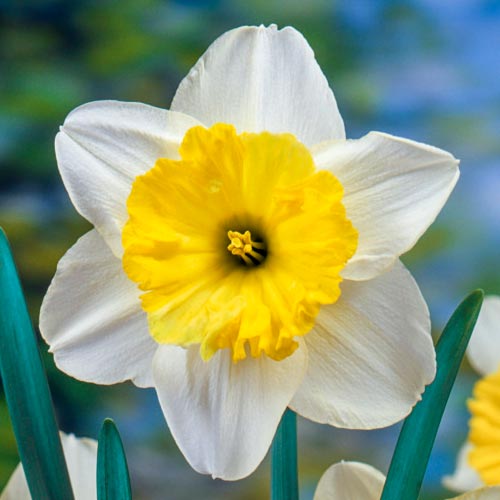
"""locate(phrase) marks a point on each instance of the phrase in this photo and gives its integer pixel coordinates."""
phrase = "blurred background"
(428, 70)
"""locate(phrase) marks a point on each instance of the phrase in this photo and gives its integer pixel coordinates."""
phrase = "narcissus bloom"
(245, 254)
(478, 460)
(356, 481)
(81, 459)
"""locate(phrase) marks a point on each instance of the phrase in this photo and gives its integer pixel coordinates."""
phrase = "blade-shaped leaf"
(113, 482)
(284, 482)
(27, 390)
(417, 436)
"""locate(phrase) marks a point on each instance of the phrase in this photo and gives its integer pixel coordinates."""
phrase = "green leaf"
(27, 391)
(284, 482)
(113, 482)
(417, 436)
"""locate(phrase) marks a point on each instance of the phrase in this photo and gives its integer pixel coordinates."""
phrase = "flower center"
(289, 239)
(251, 253)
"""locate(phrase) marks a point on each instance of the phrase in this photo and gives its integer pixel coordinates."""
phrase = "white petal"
(394, 189)
(92, 318)
(484, 346)
(17, 487)
(223, 415)
(350, 481)
(370, 354)
(487, 493)
(258, 79)
(464, 478)
(103, 146)
(81, 459)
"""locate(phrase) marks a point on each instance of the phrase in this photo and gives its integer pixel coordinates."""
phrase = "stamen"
(251, 252)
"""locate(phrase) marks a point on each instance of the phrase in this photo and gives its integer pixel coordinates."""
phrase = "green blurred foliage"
(9, 458)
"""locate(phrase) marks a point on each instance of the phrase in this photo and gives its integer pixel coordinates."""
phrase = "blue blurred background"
(424, 69)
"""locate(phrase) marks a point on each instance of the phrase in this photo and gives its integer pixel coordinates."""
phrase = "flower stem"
(284, 481)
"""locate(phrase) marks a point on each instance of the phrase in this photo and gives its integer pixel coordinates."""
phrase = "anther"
(251, 252)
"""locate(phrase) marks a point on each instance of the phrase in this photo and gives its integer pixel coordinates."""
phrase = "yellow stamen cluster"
(250, 252)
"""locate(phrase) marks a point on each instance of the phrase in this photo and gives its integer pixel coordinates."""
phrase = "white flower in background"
(245, 254)
(357, 481)
(81, 459)
(478, 461)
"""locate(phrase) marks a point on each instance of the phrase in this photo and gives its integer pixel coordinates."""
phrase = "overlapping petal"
(103, 146)
(394, 189)
(259, 79)
(483, 351)
(81, 459)
(350, 481)
(223, 415)
(92, 318)
(370, 354)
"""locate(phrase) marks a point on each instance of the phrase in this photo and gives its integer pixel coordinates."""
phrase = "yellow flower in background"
(245, 255)
(358, 481)
(484, 434)
(81, 459)
(478, 460)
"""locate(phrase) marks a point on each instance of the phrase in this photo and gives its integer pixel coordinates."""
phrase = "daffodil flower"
(245, 254)
(478, 461)
(81, 459)
(358, 481)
